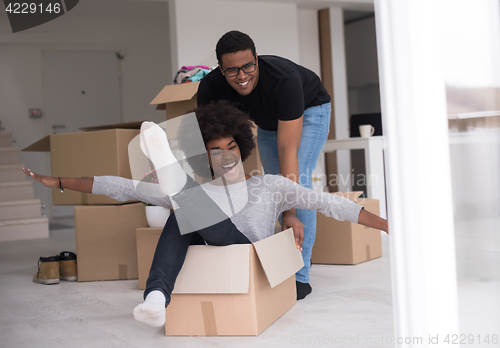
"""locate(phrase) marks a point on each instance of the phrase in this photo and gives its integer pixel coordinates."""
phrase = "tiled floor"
(350, 306)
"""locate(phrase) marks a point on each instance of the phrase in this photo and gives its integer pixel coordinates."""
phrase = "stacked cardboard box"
(104, 227)
(344, 242)
(96, 151)
(228, 291)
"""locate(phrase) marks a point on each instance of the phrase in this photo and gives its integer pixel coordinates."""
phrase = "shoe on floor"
(67, 266)
(48, 270)
(303, 289)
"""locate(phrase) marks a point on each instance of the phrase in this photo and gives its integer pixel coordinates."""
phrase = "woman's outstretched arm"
(74, 184)
(371, 220)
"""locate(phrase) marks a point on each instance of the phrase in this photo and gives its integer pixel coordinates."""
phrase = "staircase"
(20, 212)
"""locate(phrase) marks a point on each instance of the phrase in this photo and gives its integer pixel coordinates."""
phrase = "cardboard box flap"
(279, 257)
(211, 269)
(175, 93)
(125, 125)
(351, 195)
(42, 145)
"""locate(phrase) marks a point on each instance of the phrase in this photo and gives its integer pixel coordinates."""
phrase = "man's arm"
(288, 138)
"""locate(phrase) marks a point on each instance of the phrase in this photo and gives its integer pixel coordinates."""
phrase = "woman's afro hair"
(217, 120)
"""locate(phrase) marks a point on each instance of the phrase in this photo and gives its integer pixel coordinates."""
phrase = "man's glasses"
(247, 68)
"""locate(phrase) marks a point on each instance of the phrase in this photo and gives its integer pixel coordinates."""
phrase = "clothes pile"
(191, 73)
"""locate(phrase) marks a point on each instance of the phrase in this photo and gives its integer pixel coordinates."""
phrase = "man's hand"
(289, 219)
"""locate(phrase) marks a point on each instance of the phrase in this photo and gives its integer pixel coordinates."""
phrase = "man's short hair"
(233, 41)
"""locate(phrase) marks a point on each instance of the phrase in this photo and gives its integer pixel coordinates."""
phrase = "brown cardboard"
(177, 100)
(196, 312)
(344, 242)
(252, 164)
(227, 291)
(147, 238)
(106, 241)
(88, 154)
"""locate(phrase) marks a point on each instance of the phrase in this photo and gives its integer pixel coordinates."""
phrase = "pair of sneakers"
(54, 268)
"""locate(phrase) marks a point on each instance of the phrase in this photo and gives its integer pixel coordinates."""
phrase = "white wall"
(142, 32)
(309, 40)
(199, 24)
(146, 68)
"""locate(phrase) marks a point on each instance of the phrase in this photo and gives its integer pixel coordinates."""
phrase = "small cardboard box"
(106, 242)
(96, 151)
(236, 290)
(344, 242)
(177, 100)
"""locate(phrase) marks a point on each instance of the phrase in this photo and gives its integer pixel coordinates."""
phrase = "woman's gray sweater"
(253, 205)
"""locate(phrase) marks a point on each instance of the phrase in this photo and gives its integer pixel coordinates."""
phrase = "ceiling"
(159, 8)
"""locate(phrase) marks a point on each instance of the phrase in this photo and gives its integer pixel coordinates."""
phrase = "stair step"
(25, 209)
(12, 172)
(16, 191)
(24, 229)
(9, 155)
(5, 139)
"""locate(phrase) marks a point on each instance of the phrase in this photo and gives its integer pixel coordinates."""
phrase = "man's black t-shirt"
(283, 92)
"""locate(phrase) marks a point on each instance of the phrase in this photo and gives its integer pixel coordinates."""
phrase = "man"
(292, 110)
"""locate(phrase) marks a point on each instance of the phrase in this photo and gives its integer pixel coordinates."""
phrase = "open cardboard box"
(105, 240)
(236, 290)
(344, 242)
(96, 151)
(179, 99)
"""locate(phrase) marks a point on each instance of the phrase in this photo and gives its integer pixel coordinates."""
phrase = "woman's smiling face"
(225, 158)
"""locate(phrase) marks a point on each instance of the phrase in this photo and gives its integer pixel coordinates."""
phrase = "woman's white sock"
(152, 311)
(154, 144)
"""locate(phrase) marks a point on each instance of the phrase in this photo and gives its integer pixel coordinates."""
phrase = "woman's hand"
(371, 220)
(47, 181)
(290, 220)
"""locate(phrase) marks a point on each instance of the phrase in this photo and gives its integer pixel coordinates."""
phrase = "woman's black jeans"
(172, 246)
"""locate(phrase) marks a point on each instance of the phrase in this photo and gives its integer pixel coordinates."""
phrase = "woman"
(232, 208)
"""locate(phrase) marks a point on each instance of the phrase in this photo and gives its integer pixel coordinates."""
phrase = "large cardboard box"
(96, 151)
(344, 242)
(106, 242)
(236, 290)
(147, 238)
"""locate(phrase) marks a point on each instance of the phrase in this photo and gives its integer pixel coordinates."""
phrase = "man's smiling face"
(243, 83)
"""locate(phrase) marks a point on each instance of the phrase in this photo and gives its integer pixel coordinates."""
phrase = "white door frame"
(420, 205)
